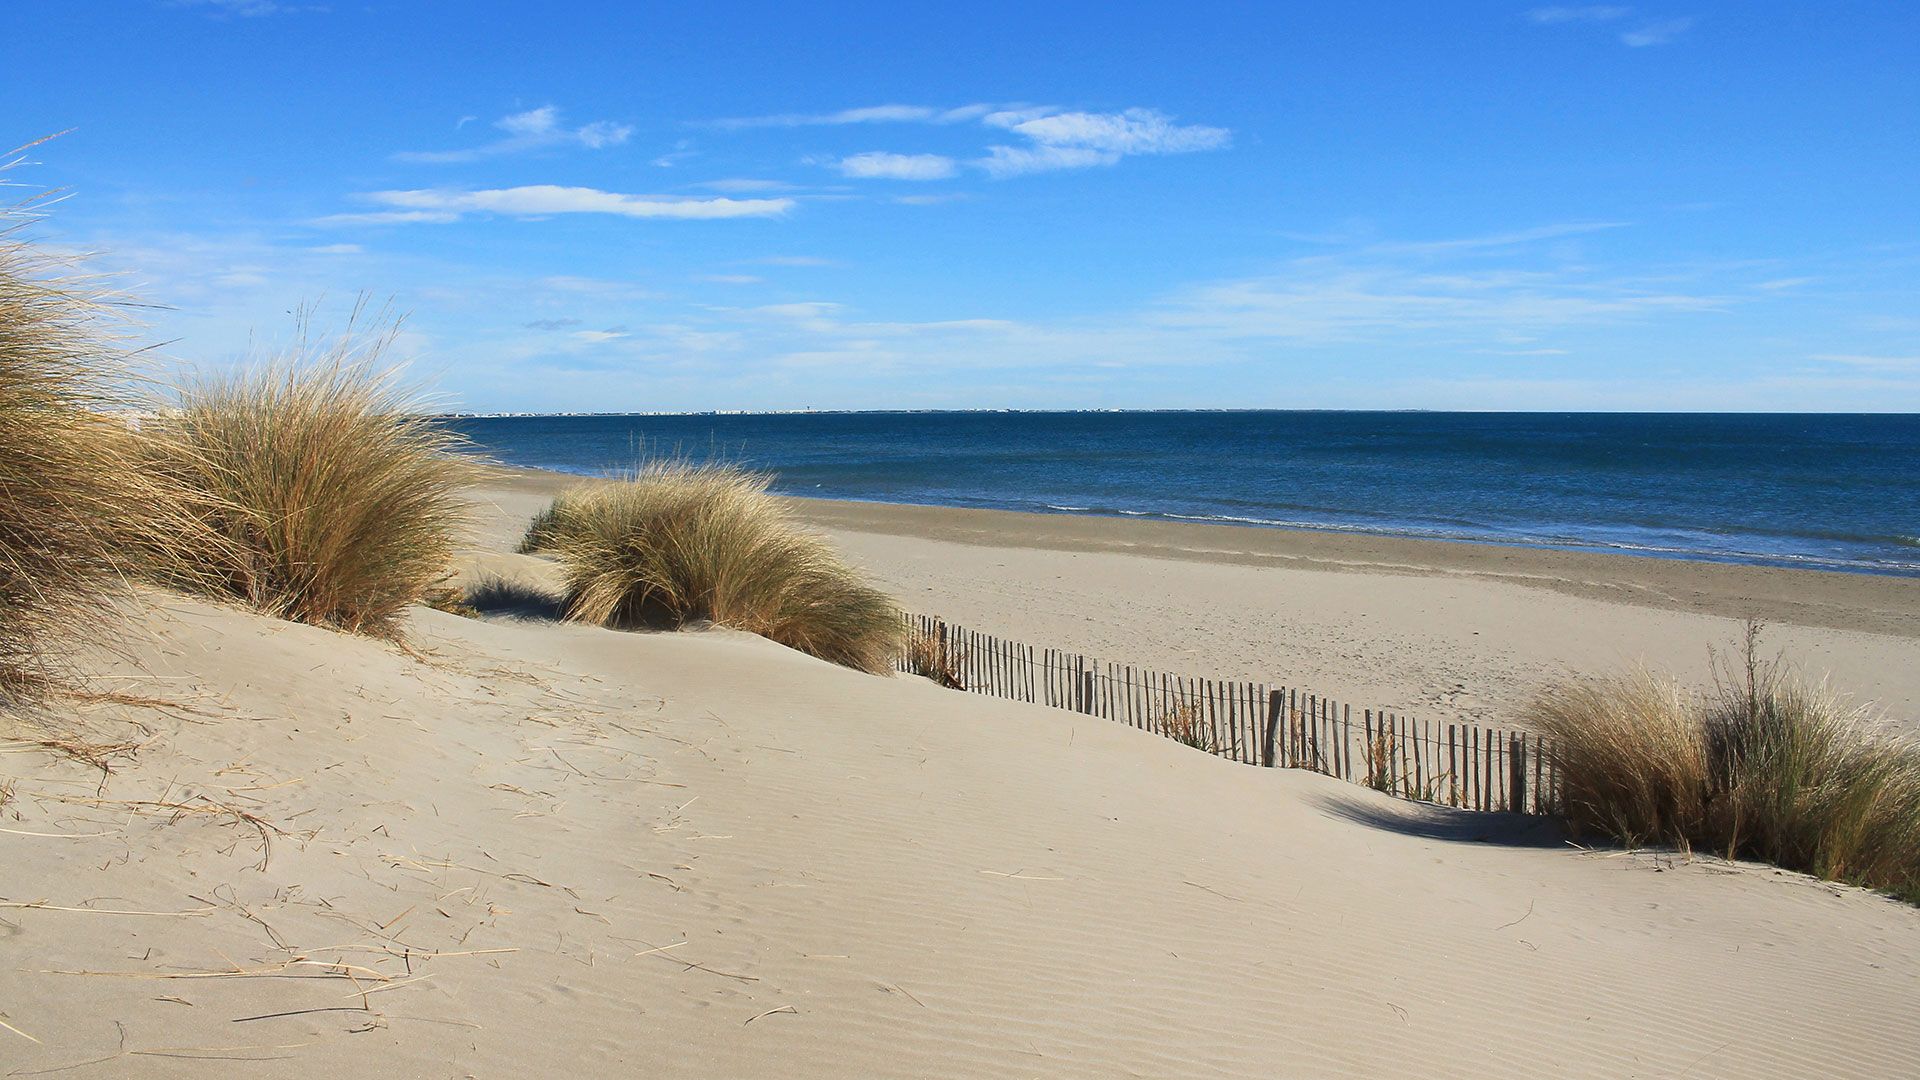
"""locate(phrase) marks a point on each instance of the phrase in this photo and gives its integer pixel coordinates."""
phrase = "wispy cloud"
(534, 129)
(441, 205)
(1135, 131)
(1871, 363)
(741, 185)
(880, 165)
(872, 114)
(794, 260)
(1531, 308)
(1495, 241)
(682, 151)
(247, 9)
(1079, 140)
(390, 217)
(1054, 138)
(1314, 301)
(1590, 13)
(1656, 33)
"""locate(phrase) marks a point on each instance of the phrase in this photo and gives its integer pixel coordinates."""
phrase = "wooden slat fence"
(1274, 726)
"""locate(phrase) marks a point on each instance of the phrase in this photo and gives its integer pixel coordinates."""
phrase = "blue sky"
(651, 207)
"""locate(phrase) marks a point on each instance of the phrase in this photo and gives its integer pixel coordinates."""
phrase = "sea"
(1834, 492)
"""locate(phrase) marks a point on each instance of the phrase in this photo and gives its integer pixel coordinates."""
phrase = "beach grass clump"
(676, 543)
(935, 658)
(1768, 767)
(67, 488)
(1185, 724)
(316, 487)
(1379, 770)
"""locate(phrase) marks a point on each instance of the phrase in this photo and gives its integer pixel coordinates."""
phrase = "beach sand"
(525, 848)
(1437, 630)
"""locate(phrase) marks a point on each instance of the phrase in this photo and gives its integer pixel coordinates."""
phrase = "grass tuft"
(932, 657)
(1767, 767)
(317, 489)
(67, 488)
(1185, 724)
(677, 543)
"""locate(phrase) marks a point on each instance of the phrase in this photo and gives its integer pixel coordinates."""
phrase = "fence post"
(1089, 697)
(1269, 743)
(1517, 766)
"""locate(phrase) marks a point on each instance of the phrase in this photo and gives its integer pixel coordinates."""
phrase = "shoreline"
(1800, 596)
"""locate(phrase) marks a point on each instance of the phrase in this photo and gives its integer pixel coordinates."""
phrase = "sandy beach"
(521, 845)
(701, 542)
(1446, 631)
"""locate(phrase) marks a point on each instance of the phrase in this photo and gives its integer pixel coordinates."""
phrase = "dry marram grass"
(675, 543)
(317, 489)
(1769, 767)
(68, 493)
(1185, 723)
(932, 657)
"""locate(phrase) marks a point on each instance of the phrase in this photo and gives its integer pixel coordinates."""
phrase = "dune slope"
(539, 845)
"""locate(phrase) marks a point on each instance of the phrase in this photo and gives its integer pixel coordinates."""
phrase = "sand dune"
(547, 848)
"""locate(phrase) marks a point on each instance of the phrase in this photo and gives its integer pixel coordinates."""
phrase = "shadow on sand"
(515, 600)
(1445, 823)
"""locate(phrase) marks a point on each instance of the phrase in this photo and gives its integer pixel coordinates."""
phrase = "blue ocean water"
(1834, 492)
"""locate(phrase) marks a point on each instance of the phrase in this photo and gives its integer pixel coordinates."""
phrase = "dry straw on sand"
(1768, 767)
(316, 487)
(675, 543)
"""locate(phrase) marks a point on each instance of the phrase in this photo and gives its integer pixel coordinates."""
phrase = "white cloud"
(881, 165)
(248, 9)
(1659, 33)
(534, 129)
(390, 217)
(732, 279)
(1589, 13)
(337, 249)
(872, 114)
(1135, 131)
(746, 185)
(1079, 140)
(1435, 291)
(1532, 312)
(1005, 161)
(1515, 238)
(808, 309)
(1365, 323)
(441, 205)
(1313, 301)
(599, 289)
(1056, 138)
(682, 151)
